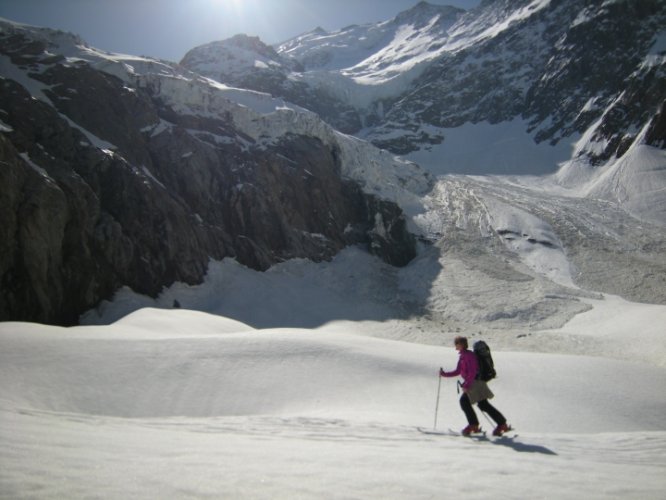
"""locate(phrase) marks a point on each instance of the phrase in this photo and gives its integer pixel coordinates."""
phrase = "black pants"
(484, 406)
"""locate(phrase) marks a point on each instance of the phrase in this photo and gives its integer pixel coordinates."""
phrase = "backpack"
(484, 358)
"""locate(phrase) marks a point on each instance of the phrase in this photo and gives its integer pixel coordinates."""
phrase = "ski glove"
(442, 373)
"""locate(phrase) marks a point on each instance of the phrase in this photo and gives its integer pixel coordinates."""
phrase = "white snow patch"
(5, 128)
(41, 171)
(637, 181)
(164, 402)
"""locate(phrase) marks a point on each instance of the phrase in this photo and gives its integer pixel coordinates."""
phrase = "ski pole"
(439, 386)
(487, 418)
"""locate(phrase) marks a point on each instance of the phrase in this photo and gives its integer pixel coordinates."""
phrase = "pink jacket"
(467, 368)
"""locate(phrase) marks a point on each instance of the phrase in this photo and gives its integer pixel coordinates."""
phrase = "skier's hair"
(461, 340)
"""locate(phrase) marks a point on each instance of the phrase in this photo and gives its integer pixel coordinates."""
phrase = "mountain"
(249, 63)
(510, 87)
(127, 171)
(319, 70)
(127, 176)
(560, 68)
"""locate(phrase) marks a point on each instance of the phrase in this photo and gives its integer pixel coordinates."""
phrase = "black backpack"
(484, 358)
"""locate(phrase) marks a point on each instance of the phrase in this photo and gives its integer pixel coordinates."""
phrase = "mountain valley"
(126, 171)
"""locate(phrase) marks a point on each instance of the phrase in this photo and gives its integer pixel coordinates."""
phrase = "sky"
(167, 29)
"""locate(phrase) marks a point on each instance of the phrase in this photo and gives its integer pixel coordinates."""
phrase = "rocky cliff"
(135, 173)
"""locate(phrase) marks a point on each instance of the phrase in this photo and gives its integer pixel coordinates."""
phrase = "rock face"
(105, 184)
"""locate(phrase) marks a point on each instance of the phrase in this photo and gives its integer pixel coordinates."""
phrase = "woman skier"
(474, 391)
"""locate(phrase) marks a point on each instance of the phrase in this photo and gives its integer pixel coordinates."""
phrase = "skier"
(474, 391)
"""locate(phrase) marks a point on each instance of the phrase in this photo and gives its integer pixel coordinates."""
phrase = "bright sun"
(235, 5)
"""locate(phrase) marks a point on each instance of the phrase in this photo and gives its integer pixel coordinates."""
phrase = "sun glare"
(232, 6)
(226, 3)
(272, 20)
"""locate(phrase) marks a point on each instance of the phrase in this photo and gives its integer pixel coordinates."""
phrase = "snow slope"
(183, 404)
(364, 63)
(637, 182)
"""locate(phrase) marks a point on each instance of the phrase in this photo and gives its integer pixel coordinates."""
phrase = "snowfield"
(182, 404)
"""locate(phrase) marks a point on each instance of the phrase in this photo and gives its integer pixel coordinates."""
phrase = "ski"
(448, 432)
(437, 432)
(451, 432)
(480, 434)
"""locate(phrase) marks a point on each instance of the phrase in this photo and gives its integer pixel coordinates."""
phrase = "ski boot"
(471, 428)
(501, 429)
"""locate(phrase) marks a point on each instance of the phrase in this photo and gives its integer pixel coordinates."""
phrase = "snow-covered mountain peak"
(250, 43)
(237, 55)
(480, 25)
(413, 31)
(56, 38)
(423, 13)
(39, 48)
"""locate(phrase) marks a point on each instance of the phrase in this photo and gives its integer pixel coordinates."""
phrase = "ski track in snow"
(314, 458)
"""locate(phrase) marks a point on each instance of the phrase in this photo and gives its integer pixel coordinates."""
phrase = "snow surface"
(637, 182)
(310, 395)
(177, 403)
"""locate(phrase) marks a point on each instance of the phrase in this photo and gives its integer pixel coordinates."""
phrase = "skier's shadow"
(510, 441)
